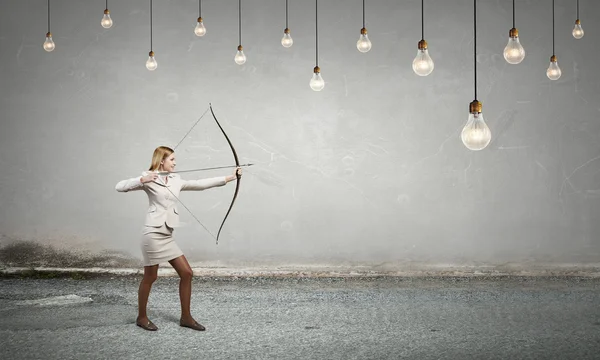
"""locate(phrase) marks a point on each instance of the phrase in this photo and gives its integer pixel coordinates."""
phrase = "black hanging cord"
(106, 5)
(150, 25)
(363, 13)
(48, 15)
(316, 32)
(199, 8)
(553, 52)
(514, 14)
(286, 14)
(475, 42)
(578, 9)
(422, 20)
(240, 19)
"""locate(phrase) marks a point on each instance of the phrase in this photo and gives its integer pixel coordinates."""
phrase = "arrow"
(163, 173)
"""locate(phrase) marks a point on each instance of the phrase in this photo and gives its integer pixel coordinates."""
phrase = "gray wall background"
(369, 171)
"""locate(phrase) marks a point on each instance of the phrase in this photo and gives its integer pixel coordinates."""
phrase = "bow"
(238, 176)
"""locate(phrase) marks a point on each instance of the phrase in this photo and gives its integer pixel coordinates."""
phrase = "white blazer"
(161, 202)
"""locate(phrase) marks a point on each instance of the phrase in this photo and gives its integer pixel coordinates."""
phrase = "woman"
(162, 217)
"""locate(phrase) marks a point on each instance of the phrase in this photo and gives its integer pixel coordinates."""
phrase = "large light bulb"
(106, 21)
(240, 58)
(363, 44)
(514, 52)
(287, 40)
(577, 30)
(151, 63)
(49, 44)
(422, 64)
(316, 82)
(553, 71)
(475, 135)
(200, 30)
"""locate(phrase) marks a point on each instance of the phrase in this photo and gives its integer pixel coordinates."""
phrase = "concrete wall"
(369, 171)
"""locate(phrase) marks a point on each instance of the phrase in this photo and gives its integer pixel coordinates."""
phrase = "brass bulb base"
(422, 45)
(577, 22)
(363, 31)
(240, 48)
(286, 31)
(200, 19)
(553, 58)
(513, 33)
(106, 12)
(48, 34)
(475, 107)
(317, 69)
(151, 53)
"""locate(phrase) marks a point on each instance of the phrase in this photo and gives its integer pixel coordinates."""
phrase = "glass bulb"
(200, 30)
(363, 44)
(316, 82)
(106, 21)
(240, 58)
(287, 40)
(476, 135)
(553, 71)
(578, 30)
(422, 64)
(49, 44)
(514, 52)
(151, 63)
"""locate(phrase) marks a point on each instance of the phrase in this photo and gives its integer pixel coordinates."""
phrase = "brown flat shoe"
(195, 325)
(148, 326)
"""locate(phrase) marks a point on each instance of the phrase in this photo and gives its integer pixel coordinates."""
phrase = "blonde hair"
(160, 153)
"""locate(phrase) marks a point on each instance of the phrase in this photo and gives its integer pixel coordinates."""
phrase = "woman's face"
(168, 164)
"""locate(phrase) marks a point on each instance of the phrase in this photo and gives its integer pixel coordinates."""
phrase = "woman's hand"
(238, 171)
(150, 177)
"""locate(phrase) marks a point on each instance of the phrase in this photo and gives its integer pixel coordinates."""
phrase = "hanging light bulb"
(422, 64)
(553, 71)
(287, 40)
(200, 30)
(514, 52)
(240, 58)
(476, 134)
(151, 63)
(49, 44)
(106, 21)
(578, 30)
(316, 82)
(363, 44)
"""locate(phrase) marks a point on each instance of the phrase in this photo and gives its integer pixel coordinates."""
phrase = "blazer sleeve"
(203, 184)
(129, 185)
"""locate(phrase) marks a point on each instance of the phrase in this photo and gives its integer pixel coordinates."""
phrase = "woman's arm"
(203, 184)
(136, 183)
(129, 185)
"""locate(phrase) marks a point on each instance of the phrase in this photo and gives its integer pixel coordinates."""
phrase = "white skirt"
(158, 246)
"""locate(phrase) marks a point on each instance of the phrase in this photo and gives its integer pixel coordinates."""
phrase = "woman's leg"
(150, 275)
(184, 270)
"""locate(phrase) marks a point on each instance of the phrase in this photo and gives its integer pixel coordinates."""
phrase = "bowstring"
(194, 216)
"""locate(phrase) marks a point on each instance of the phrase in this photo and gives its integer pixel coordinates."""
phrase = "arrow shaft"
(203, 169)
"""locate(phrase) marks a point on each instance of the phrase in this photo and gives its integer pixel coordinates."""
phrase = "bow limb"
(237, 163)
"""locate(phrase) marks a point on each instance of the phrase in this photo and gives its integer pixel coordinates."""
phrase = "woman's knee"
(186, 273)
(150, 278)
(150, 274)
